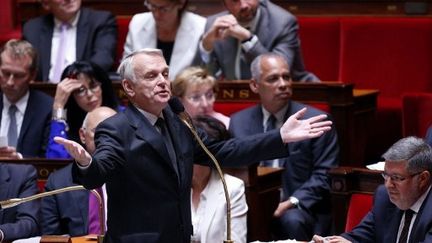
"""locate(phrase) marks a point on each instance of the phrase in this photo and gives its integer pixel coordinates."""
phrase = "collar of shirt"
(150, 117)
(280, 115)
(72, 22)
(253, 23)
(21, 104)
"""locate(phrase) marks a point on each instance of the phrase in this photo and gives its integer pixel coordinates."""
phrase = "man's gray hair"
(256, 64)
(414, 150)
(126, 68)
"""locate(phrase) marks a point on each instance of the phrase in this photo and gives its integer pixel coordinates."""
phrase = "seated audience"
(169, 27)
(401, 209)
(235, 37)
(25, 114)
(304, 208)
(66, 213)
(429, 136)
(84, 87)
(18, 181)
(197, 90)
(71, 33)
(208, 203)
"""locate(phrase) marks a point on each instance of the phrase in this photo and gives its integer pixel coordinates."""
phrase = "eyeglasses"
(398, 178)
(161, 9)
(197, 98)
(94, 87)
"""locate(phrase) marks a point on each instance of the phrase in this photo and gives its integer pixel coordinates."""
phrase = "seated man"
(234, 38)
(304, 208)
(67, 213)
(25, 114)
(71, 33)
(18, 181)
(401, 209)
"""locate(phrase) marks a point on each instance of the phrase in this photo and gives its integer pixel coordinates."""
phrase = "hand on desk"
(329, 239)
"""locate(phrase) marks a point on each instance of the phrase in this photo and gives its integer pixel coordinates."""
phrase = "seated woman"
(167, 27)
(208, 202)
(197, 90)
(84, 87)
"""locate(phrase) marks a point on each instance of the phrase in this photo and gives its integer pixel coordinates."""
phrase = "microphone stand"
(13, 202)
(186, 120)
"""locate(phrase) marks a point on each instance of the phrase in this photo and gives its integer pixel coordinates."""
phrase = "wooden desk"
(346, 181)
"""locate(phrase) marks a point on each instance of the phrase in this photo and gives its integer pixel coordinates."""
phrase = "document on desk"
(376, 166)
(279, 241)
(28, 240)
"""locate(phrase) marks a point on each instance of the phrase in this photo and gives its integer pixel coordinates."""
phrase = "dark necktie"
(403, 238)
(12, 132)
(270, 125)
(94, 226)
(160, 123)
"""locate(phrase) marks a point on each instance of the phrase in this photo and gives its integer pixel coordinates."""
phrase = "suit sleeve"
(324, 155)
(104, 43)
(25, 216)
(50, 216)
(429, 136)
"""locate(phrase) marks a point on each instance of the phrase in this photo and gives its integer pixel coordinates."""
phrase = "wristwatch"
(294, 201)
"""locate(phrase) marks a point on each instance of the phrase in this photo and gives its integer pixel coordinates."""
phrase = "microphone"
(13, 202)
(178, 108)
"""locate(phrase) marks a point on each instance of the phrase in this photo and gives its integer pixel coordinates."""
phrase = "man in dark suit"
(402, 207)
(67, 213)
(249, 28)
(145, 155)
(305, 204)
(91, 35)
(18, 181)
(25, 114)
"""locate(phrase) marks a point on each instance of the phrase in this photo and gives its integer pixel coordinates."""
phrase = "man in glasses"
(25, 114)
(71, 33)
(402, 206)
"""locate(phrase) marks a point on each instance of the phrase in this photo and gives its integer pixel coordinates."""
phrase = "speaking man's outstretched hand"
(295, 129)
(77, 151)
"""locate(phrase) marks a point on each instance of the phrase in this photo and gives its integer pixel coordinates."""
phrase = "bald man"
(66, 213)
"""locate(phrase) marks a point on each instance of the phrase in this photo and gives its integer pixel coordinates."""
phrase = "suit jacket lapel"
(255, 123)
(147, 132)
(213, 201)
(82, 34)
(393, 224)
(29, 113)
(423, 221)
(173, 128)
(45, 44)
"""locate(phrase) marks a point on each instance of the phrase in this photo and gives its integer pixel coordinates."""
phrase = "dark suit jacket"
(65, 213)
(305, 176)
(277, 31)
(429, 136)
(17, 181)
(96, 39)
(33, 137)
(382, 222)
(148, 200)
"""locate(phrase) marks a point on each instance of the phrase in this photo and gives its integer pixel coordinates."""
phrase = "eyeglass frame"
(208, 96)
(398, 178)
(94, 86)
(161, 9)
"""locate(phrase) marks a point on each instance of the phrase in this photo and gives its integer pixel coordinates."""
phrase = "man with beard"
(249, 28)
(401, 209)
(304, 209)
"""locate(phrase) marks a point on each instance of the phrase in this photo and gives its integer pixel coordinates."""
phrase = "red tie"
(93, 214)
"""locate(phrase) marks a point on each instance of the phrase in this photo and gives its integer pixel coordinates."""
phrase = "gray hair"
(414, 150)
(256, 64)
(126, 68)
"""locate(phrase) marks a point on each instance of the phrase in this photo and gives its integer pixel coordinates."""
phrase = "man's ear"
(253, 86)
(128, 87)
(82, 135)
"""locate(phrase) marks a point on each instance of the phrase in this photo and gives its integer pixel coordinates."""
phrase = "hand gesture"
(77, 151)
(64, 90)
(294, 129)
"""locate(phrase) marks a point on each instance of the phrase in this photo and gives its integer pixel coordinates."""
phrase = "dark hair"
(215, 129)
(75, 115)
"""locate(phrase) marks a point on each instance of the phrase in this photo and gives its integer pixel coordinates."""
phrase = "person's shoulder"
(141, 19)
(95, 12)
(194, 17)
(36, 23)
(233, 181)
(244, 113)
(211, 18)
(20, 169)
(61, 174)
(310, 112)
(41, 96)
